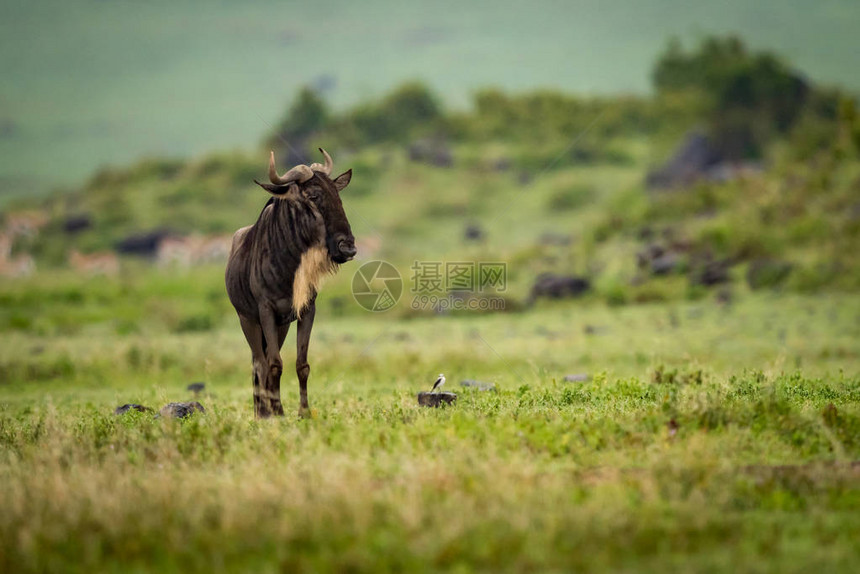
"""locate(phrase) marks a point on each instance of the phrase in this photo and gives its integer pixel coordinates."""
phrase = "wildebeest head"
(315, 184)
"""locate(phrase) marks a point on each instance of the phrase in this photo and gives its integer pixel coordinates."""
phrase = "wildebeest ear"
(341, 181)
(274, 189)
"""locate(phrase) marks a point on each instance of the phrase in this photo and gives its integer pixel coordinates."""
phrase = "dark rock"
(436, 399)
(181, 410)
(196, 387)
(698, 158)
(659, 259)
(649, 253)
(77, 223)
(710, 273)
(143, 244)
(554, 286)
(473, 232)
(479, 385)
(690, 162)
(131, 407)
(577, 378)
(665, 264)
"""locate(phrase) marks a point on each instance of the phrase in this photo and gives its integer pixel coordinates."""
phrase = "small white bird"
(439, 382)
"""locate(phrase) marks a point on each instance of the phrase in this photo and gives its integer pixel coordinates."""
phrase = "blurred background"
(623, 152)
(95, 83)
(667, 379)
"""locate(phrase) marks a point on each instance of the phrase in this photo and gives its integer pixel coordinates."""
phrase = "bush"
(410, 109)
(616, 293)
(752, 97)
(307, 115)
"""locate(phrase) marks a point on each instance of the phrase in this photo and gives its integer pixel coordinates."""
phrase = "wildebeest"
(276, 265)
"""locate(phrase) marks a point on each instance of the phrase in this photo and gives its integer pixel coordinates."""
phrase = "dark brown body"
(274, 271)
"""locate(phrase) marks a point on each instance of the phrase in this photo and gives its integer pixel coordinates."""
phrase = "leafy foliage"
(307, 115)
(751, 97)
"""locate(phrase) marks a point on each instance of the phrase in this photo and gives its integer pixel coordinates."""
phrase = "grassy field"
(714, 420)
(709, 438)
(88, 83)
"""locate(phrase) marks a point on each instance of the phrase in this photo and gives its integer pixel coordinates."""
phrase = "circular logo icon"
(377, 286)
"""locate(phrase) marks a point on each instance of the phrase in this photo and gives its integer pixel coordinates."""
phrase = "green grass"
(542, 474)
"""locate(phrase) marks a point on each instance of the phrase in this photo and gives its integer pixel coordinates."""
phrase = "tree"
(307, 115)
(409, 108)
(750, 97)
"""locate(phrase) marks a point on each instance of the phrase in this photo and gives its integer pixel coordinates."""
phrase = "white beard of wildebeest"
(276, 266)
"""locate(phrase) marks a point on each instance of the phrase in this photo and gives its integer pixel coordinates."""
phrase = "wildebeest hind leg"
(254, 335)
(272, 349)
(303, 369)
(282, 334)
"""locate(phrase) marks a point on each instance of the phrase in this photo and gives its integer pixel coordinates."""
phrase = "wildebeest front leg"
(273, 360)
(254, 334)
(303, 369)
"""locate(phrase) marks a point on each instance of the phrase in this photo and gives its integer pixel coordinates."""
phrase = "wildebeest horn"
(329, 164)
(300, 173)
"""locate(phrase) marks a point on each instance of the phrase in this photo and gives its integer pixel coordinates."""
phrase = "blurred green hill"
(88, 83)
(545, 181)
